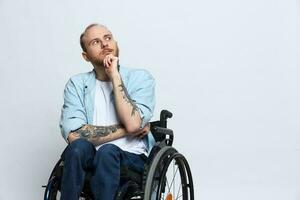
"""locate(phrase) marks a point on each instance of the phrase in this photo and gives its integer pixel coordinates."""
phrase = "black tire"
(158, 185)
(52, 190)
(53, 185)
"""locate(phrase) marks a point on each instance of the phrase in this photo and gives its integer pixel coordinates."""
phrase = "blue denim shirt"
(79, 93)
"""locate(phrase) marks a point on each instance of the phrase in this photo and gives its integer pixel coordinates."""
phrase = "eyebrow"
(108, 34)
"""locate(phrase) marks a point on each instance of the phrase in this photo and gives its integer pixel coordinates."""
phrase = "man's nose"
(104, 44)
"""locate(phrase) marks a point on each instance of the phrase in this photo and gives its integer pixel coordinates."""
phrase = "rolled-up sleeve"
(73, 114)
(144, 95)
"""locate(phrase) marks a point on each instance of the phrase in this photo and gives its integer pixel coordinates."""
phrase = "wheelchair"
(166, 176)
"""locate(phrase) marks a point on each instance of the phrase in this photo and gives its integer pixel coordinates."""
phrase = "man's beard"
(100, 62)
(117, 51)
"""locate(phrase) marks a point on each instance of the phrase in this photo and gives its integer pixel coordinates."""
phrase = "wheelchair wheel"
(52, 191)
(53, 185)
(169, 177)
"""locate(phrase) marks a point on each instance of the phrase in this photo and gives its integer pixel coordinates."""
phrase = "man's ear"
(85, 56)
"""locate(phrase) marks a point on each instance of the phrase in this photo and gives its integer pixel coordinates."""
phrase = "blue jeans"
(105, 164)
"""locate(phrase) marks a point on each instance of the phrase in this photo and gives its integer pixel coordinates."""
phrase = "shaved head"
(82, 42)
(97, 42)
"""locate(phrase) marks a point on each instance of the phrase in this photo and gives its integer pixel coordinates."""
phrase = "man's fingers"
(143, 134)
(109, 60)
(72, 137)
(104, 62)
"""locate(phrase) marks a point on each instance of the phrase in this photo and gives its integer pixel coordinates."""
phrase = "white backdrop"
(226, 69)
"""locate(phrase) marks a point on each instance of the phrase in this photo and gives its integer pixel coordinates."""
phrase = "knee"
(79, 147)
(108, 151)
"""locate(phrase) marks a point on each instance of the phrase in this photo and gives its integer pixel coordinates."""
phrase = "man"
(105, 118)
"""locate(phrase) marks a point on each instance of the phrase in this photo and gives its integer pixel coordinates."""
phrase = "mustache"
(108, 50)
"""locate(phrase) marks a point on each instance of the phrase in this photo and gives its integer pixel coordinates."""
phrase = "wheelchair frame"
(151, 185)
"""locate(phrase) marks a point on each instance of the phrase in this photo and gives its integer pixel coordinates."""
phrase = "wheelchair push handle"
(165, 114)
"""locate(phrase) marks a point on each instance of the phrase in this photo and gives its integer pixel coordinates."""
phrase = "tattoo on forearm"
(127, 98)
(92, 132)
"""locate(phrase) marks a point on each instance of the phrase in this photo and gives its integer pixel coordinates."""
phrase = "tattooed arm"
(98, 134)
(127, 110)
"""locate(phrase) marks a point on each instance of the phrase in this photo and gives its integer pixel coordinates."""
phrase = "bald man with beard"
(105, 118)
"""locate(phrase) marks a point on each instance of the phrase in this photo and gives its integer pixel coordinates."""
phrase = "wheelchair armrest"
(161, 133)
(159, 128)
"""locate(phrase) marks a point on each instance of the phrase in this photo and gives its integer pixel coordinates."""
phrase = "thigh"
(133, 161)
(112, 153)
(81, 149)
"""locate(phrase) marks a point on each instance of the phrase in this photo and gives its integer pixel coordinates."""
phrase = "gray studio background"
(226, 69)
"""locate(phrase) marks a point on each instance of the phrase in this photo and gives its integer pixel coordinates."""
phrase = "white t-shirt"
(105, 115)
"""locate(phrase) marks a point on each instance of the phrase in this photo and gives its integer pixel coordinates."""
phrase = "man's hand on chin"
(110, 63)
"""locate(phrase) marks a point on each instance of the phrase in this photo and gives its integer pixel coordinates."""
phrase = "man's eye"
(108, 38)
(95, 42)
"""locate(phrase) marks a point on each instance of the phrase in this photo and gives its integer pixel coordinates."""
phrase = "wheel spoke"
(171, 174)
(167, 183)
(173, 179)
(178, 197)
(179, 191)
